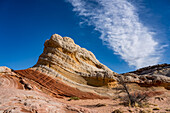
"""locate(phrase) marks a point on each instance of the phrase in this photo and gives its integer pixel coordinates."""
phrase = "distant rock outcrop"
(162, 69)
(63, 58)
(157, 75)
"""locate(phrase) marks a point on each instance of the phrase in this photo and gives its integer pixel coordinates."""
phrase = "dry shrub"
(137, 99)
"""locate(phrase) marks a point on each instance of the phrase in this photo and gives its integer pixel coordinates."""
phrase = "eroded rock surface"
(55, 87)
(16, 98)
(157, 75)
(63, 58)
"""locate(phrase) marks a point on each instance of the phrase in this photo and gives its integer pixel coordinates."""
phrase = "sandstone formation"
(157, 75)
(64, 59)
(21, 95)
(65, 70)
(160, 69)
(54, 86)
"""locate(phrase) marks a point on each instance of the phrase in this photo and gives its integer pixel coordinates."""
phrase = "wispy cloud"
(121, 29)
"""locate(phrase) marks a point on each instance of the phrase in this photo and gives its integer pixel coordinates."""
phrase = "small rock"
(117, 111)
(142, 111)
(130, 110)
(100, 105)
(167, 109)
(156, 108)
(25, 104)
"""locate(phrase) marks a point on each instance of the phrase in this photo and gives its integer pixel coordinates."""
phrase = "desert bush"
(132, 99)
(73, 98)
(137, 99)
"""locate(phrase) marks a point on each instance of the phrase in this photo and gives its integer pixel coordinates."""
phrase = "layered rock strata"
(19, 94)
(157, 75)
(63, 58)
(54, 86)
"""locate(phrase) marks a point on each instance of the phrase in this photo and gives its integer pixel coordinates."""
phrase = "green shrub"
(73, 98)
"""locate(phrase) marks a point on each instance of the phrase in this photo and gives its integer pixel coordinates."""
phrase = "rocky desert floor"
(157, 102)
(22, 93)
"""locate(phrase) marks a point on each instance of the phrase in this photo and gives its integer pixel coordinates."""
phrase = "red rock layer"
(8, 81)
(56, 86)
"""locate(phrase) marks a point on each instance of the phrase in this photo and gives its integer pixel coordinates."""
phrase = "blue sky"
(25, 25)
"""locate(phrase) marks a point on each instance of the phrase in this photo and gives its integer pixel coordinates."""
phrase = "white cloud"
(121, 29)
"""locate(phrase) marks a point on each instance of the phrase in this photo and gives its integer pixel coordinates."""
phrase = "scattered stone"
(149, 111)
(142, 111)
(100, 105)
(117, 111)
(159, 98)
(25, 104)
(167, 109)
(129, 110)
(156, 108)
